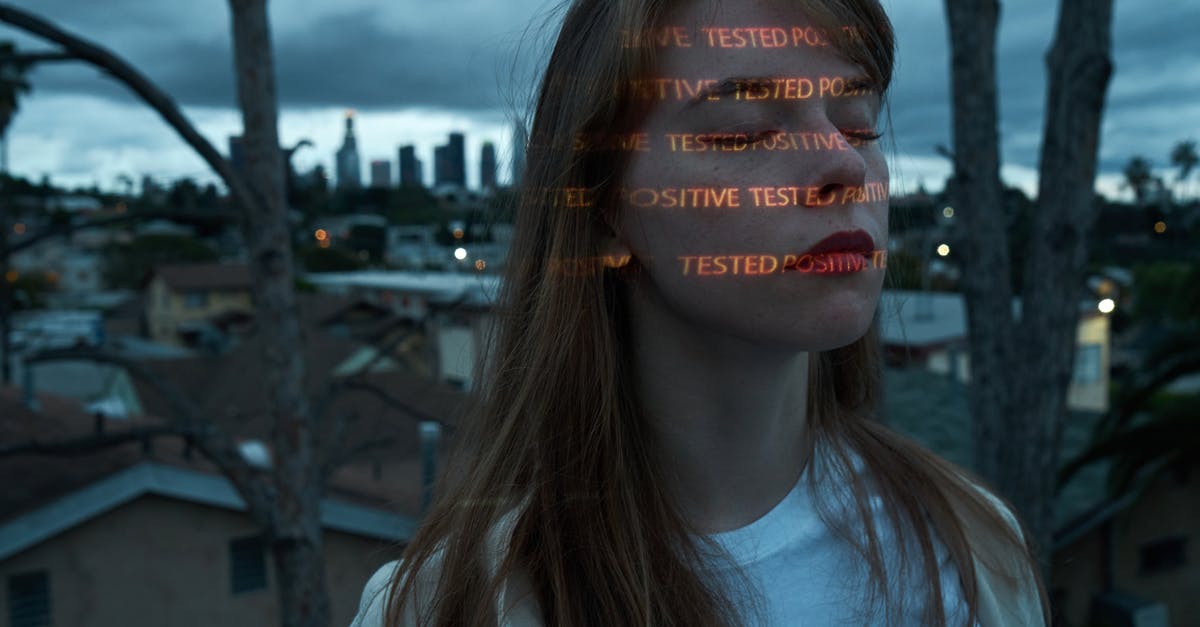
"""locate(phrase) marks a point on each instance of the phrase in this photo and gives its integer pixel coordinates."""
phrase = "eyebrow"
(735, 84)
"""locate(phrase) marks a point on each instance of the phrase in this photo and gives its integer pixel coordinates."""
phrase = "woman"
(677, 424)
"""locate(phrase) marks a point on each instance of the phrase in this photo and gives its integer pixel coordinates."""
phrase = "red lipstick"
(857, 241)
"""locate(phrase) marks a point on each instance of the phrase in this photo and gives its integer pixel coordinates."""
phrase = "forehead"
(743, 37)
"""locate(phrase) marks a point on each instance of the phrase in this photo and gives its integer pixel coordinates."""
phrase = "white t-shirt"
(804, 574)
(807, 576)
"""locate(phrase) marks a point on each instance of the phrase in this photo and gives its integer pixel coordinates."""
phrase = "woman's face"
(757, 146)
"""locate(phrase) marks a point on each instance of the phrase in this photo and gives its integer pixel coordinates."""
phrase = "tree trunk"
(297, 542)
(978, 200)
(1078, 69)
(5, 294)
(1021, 367)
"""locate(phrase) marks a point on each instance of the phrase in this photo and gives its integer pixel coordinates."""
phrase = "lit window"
(247, 564)
(29, 599)
(195, 300)
(1163, 556)
(1087, 365)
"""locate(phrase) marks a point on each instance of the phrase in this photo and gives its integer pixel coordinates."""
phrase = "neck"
(730, 415)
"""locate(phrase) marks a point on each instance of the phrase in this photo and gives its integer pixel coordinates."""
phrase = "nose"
(832, 171)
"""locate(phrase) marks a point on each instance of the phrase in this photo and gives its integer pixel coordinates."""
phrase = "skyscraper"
(410, 167)
(487, 166)
(450, 162)
(520, 139)
(349, 174)
(381, 173)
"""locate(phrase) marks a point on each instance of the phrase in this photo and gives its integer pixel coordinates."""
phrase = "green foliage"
(127, 265)
(30, 289)
(1167, 291)
(333, 259)
(903, 271)
(368, 238)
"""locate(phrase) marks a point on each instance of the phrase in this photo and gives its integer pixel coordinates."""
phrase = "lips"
(857, 241)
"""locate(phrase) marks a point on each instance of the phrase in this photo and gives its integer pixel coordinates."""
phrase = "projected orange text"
(754, 265)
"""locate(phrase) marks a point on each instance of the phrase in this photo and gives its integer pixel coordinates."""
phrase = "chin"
(825, 328)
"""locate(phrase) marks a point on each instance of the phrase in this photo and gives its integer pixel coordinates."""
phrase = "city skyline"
(479, 87)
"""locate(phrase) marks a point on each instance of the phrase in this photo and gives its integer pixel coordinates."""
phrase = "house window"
(1163, 555)
(195, 300)
(29, 599)
(247, 564)
(1087, 365)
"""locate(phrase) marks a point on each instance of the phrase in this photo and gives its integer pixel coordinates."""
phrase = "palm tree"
(1184, 157)
(12, 83)
(1138, 177)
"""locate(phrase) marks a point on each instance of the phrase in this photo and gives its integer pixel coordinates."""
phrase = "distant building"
(349, 174)
(182, 299)
(82, 542)
(455, 311)
(450, 162)
(520, 140)
(381, 173)
(410, 167)
(929, 330)
(487, 166)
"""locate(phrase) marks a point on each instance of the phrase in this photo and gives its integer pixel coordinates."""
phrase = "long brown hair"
(556, 434)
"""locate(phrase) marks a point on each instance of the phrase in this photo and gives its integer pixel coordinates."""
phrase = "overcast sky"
(415, 70)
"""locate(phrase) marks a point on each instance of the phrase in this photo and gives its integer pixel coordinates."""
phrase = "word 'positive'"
(757, 265)
(771, 142)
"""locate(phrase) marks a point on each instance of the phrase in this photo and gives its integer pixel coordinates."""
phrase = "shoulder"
(374, 597)
(516, 603)
(1008, 585)
(372, 607)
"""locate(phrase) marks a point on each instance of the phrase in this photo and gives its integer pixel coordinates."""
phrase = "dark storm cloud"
(353, 60)
(357, 58)
(458, 55)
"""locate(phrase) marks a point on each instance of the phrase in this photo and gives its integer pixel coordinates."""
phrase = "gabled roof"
(149, 478)
(205, 276)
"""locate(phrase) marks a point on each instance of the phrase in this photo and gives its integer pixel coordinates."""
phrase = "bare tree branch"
(355, 452)
(30, 58)
(113, 65)
(92, 443)
(212, 442)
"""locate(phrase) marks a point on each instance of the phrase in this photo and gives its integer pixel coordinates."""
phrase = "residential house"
(455, 311)
(1113, 559)
(182, 299)
(929, 329)
(150, 534)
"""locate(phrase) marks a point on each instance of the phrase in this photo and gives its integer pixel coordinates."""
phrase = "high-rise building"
(410, 167)
(487, 166)
(381, 173)
(450, 162)
(520, 139)
(349, 174)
